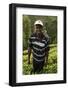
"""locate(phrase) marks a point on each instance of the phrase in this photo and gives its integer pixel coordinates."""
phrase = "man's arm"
(46, 55)
(47, 49)
(29, 54)
(29, 48)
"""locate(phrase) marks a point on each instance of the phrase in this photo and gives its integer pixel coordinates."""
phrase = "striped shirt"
(38, 47)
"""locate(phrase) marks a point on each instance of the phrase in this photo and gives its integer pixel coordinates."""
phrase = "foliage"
(51, 65)
(26, 31)
(50, 25)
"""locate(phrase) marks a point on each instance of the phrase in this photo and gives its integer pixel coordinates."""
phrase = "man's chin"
(38, 33)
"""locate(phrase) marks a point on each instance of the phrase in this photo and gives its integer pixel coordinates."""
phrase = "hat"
(38, 22)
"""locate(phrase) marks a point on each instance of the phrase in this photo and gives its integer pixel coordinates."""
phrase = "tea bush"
(51, 66)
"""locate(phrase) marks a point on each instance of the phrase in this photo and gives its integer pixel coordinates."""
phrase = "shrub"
(51, 65)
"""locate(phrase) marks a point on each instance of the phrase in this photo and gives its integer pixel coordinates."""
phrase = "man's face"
(38, 28)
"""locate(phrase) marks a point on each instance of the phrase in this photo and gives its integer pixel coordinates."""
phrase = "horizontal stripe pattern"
(39, 55)
(38, 60)
(38, 47)
(38, 43)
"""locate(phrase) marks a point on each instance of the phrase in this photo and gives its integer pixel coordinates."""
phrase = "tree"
(26, 31)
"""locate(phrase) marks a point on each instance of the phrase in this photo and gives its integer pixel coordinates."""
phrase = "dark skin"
(38, 29)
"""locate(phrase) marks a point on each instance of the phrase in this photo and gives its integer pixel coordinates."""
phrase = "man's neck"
(39, 35)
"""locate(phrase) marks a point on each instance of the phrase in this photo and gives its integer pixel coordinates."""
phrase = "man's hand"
(29, 54)
(46, 63)
(46, 59)
(28, 62)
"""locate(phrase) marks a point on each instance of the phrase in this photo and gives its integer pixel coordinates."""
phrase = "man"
(39, 46)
